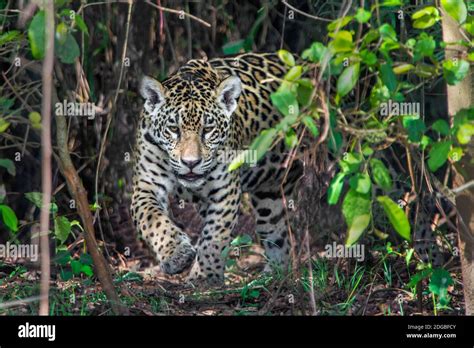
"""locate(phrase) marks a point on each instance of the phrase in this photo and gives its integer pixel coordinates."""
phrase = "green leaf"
(9, 217)
(368, 57)
(469, 25)
(380, 174)
(315, 52)
(440, 281)
(263, 142)
(36, 35)
(387, 33)
(294, 73)
(87, 270)
(348, 79)
(76, 267)
(470, 56)
(66, 275)
(425, 70)
(367, 150)
(424, 47)
(455, 70)
(3, 125)
(362, 16)
(285, 102)
(339, 23)
(6, 104)
(286, 57)
(356, 209)
(9, 36)
(418, 277)
(61, 33)
(62, 258)
(239, 160)
(415, 127)
(242, 240)
(62, 228)
(403, 69)
(290, 138)
(308, 121)
(456, 9)
(425, 18)
(464, 133)
(350, 163)
(361, 183)
(358, 226)
(304, 92)
(441, 126)
(8, 165)
(37, 199)
(425, 141)
(388, 3)
(335, 188)
(370, 37)
(438, 155)
(455, 154)
(81, 24)
(396, 216)
(342, 42)
(69, 50)
(388, 77)
(35, 119)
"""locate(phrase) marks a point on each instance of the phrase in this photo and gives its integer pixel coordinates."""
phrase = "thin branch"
(459, 189)
(46, 151)
(181, 13)
(306, 14)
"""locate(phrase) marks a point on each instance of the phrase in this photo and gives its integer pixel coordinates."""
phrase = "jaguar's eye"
(207, 130)
(173, 129)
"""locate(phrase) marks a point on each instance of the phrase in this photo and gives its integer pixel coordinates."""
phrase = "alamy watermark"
(75, 109)
(227, 156)
(399, 108)
(19, 251)
(334, 250)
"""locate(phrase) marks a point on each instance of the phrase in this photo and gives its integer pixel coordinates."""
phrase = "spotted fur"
(207, 107)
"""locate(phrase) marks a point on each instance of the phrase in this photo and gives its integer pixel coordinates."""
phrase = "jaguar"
(206, 109)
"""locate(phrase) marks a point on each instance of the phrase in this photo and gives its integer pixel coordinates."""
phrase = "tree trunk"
(459, 97)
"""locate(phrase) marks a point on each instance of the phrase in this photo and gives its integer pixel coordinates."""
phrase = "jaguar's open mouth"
(191, 176)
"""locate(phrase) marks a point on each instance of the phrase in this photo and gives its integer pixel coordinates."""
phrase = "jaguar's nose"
(191, 163)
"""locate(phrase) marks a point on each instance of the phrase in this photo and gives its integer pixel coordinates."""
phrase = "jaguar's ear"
(153, 93)
(228, 92)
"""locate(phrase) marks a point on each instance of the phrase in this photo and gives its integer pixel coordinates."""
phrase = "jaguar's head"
(189, 117)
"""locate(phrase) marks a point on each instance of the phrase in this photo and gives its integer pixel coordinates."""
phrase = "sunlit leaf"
(286, 57)
(456, 9)
(380, 174)
(348, 79)
(36, 35)
(396, 216)
(9, 217)
(335, 188)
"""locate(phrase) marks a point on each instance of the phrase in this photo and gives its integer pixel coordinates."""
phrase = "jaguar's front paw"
(181, 256)
(208, 277)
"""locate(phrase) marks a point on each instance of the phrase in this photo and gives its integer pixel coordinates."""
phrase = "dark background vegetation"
(158, 43)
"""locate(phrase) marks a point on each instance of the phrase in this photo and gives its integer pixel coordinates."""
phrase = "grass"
(378, 286)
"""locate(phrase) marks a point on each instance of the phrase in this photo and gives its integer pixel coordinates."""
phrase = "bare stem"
(46, 151)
